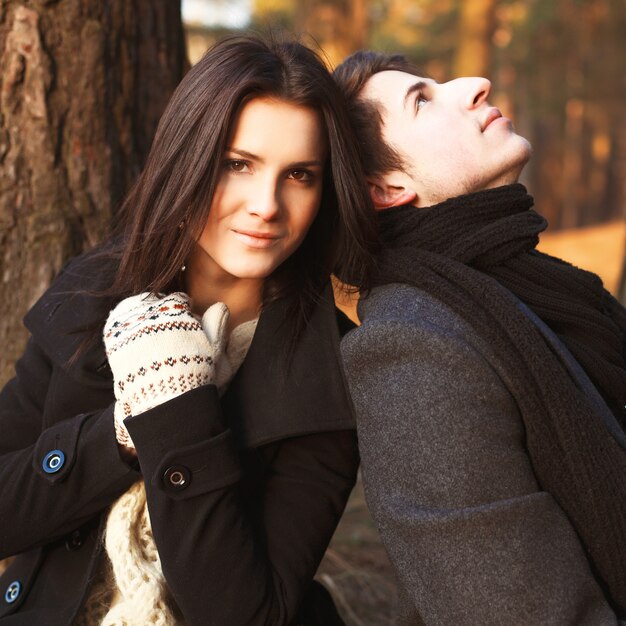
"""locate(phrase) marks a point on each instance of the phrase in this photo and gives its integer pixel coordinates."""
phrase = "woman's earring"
(180, 227)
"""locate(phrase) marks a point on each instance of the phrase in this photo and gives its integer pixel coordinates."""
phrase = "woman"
(235, 214)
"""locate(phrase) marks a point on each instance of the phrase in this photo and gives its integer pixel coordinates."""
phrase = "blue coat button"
(53, 461)
(13, 592)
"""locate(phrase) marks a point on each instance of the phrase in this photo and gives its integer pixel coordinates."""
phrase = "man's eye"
(302, 176)
(236, 165)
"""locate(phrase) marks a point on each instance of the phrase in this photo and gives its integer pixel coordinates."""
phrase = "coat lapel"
(271, 399)
(64, 316)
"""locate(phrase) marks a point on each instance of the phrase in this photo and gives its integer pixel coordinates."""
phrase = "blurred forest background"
(557, 68)
(83, 83)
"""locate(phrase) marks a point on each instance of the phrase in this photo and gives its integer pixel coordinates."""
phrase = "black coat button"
(13, 592)
(176, 478)
(74, 541)
(53, 461)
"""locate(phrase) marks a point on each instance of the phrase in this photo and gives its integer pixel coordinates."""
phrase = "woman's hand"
(158, 350)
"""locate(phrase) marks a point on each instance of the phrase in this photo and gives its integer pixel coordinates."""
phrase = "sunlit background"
(557, 68)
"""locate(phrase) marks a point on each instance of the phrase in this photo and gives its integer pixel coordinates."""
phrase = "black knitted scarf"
(476, 254)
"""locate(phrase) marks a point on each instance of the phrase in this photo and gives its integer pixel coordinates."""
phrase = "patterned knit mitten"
(158, 350)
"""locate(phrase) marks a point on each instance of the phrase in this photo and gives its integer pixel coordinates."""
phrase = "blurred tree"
(338, 27)
(332, 25)
(328, 23)
(570, 60)
(474, 40)
(273, 14)
(82, 86)
(424, 30)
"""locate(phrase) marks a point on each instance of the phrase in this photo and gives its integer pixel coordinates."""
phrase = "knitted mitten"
(139, 595)
(158, 350)
(234, 353)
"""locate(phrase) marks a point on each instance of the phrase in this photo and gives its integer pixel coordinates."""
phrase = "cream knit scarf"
(129, 588)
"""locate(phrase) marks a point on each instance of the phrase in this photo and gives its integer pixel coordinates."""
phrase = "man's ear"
(386, 195)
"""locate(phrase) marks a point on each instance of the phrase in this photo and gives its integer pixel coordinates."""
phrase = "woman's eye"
(302, 176)
(420, 101)
(235, 165)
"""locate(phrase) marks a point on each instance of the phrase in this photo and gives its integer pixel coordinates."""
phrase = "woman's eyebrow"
(255, 157)
(312, 163)
(418, 86)
(245, 154)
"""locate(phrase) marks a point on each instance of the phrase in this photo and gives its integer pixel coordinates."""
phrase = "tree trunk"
(82, 86)
(476, 27)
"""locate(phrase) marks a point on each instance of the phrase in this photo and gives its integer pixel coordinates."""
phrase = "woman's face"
(268, 192)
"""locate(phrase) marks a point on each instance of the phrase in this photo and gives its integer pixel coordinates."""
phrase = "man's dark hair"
(378, 156)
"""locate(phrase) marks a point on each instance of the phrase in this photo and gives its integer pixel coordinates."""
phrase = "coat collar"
(63, 317)
(272, 398)
(268, 399)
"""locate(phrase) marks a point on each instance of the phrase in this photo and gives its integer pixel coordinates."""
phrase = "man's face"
(452, 141)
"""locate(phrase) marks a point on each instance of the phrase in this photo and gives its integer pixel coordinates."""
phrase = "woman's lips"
(256, 239)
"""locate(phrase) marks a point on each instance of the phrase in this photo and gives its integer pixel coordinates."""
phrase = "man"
(488, 379)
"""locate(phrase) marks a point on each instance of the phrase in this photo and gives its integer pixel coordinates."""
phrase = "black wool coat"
(268, 469)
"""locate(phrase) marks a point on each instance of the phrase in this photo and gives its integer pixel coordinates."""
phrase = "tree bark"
(82, 86)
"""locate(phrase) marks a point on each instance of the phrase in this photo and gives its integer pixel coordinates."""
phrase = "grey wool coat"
(473, 538)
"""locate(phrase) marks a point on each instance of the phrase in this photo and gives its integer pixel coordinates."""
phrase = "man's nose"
(477, 91)
(471, 90)
(263, 201)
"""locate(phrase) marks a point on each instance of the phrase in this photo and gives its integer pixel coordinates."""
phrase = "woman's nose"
(263, 201)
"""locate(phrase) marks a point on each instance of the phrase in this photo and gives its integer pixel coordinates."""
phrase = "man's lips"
(492, 115)
(255, 238)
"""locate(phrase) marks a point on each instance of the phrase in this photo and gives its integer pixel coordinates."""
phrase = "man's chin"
(512, 174)
(525, 151)
(501, 182)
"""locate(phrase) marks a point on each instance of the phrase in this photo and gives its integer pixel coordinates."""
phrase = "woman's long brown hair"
(167, 208)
